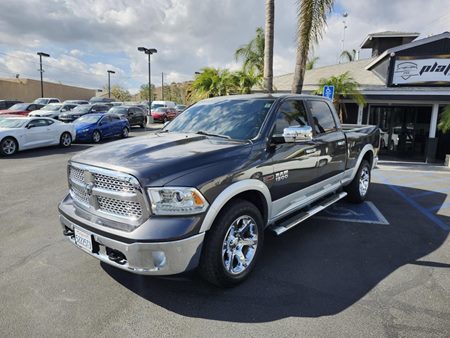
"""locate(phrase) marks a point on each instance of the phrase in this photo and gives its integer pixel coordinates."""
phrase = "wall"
(28, 90)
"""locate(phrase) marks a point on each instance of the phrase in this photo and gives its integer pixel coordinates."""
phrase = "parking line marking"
(427, 193)
(409, 200)
(419, 183)
(439, 207)
(342, 218)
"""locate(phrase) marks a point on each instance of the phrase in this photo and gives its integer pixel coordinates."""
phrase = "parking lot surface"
(330, 276)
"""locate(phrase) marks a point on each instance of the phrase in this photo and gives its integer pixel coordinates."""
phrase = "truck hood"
(158, 158)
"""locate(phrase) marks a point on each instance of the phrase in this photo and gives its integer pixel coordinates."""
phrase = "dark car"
(5, 104)
(164, 114)
(22, 109)
(96, 99)
(83, 110)
(134, 114)
(95, 127)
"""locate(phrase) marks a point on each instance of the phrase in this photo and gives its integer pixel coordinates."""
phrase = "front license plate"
(83, 240)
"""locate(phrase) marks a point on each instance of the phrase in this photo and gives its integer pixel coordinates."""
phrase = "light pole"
(162, 86)
(41, 54)
(345, 15)
(109, 82)
(149, 52)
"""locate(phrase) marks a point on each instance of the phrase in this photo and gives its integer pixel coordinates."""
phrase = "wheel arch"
(251, 190)
(14, 138)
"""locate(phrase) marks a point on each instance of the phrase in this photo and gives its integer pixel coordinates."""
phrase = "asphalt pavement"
(326, 277)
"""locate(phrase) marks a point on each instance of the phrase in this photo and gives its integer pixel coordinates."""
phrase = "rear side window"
(291, 113)
(322, 117)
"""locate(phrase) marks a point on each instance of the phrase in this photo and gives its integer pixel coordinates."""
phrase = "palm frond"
(444, 120)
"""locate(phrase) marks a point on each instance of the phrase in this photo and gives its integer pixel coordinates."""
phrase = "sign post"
(328, 92)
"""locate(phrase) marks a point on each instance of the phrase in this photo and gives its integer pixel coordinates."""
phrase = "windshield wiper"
(201, 132)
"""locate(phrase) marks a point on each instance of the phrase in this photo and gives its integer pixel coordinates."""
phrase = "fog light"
(159, 259)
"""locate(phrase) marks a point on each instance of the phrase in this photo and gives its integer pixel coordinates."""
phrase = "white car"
(53, 110)
(20, 133)
(46, 100)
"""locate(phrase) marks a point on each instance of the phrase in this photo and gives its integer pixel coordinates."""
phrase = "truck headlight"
(176, 201)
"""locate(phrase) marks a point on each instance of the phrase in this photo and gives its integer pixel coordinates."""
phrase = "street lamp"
(149, 51)
(42, 54)
(109, 82)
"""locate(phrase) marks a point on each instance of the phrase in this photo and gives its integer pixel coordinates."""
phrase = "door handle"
(311, 150)
(341, 143)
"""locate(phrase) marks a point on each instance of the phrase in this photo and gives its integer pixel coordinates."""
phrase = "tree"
(213, 82)
(245, 81)
(348, 55)
(344, 86)
(120, 93)
(252, 53)
(311, 63)
(143, 91)
(311, 21)
(268, 46)
(444, 121)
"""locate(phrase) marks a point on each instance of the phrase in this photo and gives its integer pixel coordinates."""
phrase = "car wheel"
(8, 146)
(232, 245)
(125, 132)
(357, 190)
(165, 120)
(144, 123)
(65, 140)
(96, 136)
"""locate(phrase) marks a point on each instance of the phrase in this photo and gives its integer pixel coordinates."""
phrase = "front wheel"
(96, 136)
(8, 146)
(65, 140)
(232, 245)
(125, 132)
(144, 123)
(357, 190)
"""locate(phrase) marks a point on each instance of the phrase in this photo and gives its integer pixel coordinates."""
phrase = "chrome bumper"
(161, 258)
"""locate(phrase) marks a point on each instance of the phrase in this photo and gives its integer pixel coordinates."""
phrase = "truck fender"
(351, 173)
(225, 196)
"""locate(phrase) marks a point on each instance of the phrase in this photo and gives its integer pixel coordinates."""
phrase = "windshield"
(237, 119)
(118, 110)
(52, 107)
(12, 123)
(154, 106)
(81, 109)
(162, 110)
(41, 101)
(88, 119)
(19, 106)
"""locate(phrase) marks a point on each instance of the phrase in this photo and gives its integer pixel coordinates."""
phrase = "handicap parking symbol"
(365, 212)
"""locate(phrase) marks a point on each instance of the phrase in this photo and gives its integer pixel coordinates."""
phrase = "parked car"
(21, 109)
(46, 100)
(77, 101)
(81, 110)
(5, 104)
(397, 132)
(180, 108)
(53, 110)
(163, 104)
(162, 114)
(98, 99)
(95, 127)
(202, 192)
(134, 114)
(21, 133)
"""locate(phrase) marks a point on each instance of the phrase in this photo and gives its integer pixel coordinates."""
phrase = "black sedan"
(82, 110)
(135, 115)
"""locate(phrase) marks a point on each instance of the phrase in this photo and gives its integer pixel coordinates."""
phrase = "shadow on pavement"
(319, 268)
(53, 150)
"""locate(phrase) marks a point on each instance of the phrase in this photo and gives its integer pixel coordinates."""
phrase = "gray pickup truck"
(202, 192)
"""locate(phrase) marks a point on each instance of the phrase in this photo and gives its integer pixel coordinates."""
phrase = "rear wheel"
(65, 140)
(96, 136)
(8, 146)
(232, 245)
(357, 190)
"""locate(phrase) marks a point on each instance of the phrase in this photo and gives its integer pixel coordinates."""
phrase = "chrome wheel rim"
(240, 244)
(125, 132)
(96, 136)
(66, 140)
(364, 181)
(9, 147)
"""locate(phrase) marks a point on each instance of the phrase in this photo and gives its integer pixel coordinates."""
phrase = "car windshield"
(162, 110)
(52, 107)
(12, 123)
(88, 119)
(233, 118)
(81, 109)
(41, 101)
(19, 106)
(155, 106)
(118, 110)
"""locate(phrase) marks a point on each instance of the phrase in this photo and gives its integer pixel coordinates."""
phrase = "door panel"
(37, 135)
(105, 126)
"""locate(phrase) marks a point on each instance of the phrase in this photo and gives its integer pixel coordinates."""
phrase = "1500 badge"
(282, 175)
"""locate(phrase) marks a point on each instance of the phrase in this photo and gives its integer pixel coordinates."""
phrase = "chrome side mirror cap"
(297, 134)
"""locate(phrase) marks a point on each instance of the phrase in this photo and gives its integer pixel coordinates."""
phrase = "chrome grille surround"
(109, 194)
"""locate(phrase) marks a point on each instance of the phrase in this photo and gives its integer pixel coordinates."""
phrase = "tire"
(8, 146)
(358, 189)
(65, 140)
(96, 136)
(228, 233)
(144, 123)
(125, 132)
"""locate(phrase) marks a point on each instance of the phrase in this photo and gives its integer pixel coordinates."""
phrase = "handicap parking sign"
(365, 212)
(328, 92)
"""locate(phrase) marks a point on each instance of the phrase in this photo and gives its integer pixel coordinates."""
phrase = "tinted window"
(322, 117)
(291, 113)
(38, 123)
(100, 108)
(114, 118)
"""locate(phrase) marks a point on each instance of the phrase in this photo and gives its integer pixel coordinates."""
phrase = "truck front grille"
(113, 195)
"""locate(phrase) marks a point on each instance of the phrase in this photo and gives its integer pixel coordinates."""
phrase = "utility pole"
(109, 82)
(162, 86)
(41, 54)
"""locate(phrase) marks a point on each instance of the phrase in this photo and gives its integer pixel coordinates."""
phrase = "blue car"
(95, 127)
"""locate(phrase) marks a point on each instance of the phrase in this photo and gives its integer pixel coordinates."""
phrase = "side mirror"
(294, 134)
(29, 126)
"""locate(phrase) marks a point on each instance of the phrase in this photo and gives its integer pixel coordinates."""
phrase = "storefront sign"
(422, 71)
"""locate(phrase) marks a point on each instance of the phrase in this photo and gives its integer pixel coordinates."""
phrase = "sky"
(85, 38)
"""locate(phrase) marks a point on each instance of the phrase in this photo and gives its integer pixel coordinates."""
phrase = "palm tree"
(311, 63)
(213, 82)
(444, 121)
(245, 81)
(312, 17)
(268, 46)
(344, 86)
(253, 53)
(348, 55)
